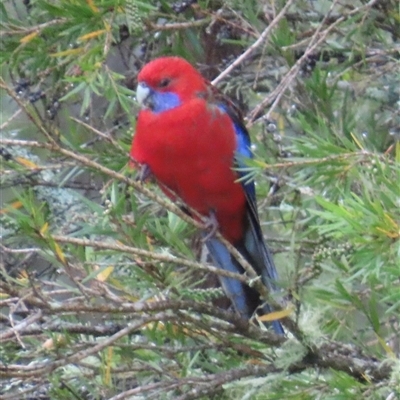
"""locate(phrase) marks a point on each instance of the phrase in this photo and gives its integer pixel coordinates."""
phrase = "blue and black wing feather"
(252, 246)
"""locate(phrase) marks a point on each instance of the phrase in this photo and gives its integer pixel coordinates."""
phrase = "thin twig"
(148, 254)
(21, 326)
(263, 37)
(179, 25)
(15, 29)
(278, 92)
(9, 120)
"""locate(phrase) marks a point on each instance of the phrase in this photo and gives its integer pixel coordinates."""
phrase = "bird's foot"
(211, 223)
(144, 173)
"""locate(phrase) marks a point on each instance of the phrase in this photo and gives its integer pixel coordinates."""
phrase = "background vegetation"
(105, 290)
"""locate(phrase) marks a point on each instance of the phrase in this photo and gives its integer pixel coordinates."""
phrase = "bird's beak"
(143, 94)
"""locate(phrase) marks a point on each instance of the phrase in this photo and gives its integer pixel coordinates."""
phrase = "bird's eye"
(164, 82)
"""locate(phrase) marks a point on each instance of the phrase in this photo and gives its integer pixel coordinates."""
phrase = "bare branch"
(263, 37)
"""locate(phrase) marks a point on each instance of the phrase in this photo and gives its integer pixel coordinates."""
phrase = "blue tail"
(253, 248)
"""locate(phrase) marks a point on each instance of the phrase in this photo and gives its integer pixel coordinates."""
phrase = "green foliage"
(105, 289)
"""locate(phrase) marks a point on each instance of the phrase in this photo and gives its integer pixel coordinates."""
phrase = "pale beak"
(142, 94)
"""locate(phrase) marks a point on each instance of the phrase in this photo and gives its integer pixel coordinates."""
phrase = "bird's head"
(166, 82)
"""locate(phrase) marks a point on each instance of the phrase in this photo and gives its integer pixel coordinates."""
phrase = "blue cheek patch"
(164, 101)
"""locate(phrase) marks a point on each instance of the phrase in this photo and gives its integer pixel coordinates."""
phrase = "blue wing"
(252, 246)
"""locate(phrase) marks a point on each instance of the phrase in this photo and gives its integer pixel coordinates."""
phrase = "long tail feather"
(244, 299)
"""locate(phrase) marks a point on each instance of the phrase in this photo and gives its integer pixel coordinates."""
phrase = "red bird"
(191, 139)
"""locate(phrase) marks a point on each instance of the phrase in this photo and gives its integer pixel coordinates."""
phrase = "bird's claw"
(210, 223)
(144, 173)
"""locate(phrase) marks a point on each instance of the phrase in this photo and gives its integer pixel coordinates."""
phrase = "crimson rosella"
(191, 139)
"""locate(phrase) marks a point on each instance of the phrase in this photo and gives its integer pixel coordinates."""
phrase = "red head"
(173, 74)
